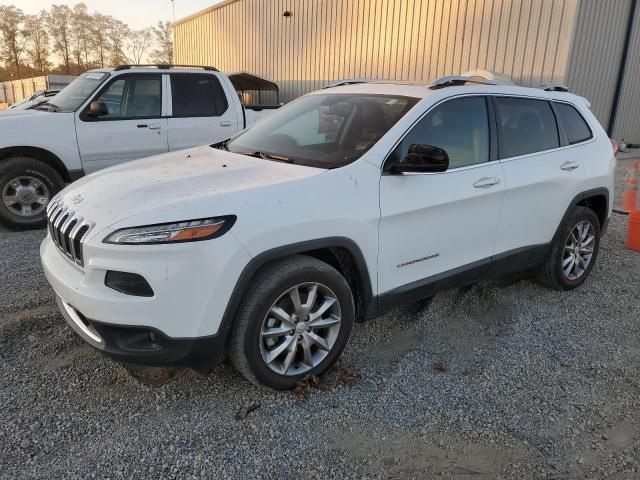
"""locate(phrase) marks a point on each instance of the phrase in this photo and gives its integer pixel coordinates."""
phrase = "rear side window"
(574, 124)
(197, 96)
(526, 126)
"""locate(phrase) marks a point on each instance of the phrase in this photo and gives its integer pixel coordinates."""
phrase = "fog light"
(128, 283)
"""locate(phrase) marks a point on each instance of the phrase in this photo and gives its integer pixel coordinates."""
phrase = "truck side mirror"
(98, 109)
(423, 158)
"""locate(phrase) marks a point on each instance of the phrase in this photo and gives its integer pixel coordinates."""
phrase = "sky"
(137, 14)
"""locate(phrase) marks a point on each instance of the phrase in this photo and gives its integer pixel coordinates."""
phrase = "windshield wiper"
(268, 156)
(49, 107)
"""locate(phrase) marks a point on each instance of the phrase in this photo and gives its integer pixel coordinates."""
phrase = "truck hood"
(195, 183)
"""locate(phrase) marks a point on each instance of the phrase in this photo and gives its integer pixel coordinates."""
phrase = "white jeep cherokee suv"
(341, 205)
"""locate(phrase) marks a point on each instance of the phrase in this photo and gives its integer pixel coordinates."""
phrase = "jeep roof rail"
(554, 87)
(350, 81)
(163, 66)
(453, 81)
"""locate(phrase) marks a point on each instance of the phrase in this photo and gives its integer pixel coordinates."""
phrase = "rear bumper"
(145, 345)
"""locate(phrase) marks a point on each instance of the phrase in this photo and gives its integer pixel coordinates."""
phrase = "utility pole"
(173, 8)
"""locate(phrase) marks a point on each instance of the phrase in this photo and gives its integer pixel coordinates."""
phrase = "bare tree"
(12, 36)
(117, 34)
(164, 40)
(81, 35)
(139, 43)
(59, 23)
(37, 42)
(99, 38)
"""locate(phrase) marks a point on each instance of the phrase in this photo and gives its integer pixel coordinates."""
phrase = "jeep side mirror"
(98, 109)
(423, 158)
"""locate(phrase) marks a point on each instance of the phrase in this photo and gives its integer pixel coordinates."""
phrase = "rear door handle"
(225, 123)
(486, 182)
(568, 166)
(154, 126)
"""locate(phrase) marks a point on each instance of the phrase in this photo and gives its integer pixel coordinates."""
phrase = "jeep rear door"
(133, 128)
(201, 110)
(441, 227)
(544, 169)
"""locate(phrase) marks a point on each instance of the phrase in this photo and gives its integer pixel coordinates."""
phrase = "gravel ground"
(499, 380)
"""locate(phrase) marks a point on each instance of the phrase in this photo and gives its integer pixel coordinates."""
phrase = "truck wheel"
(294, 321)
(26, 186)
(573, 252)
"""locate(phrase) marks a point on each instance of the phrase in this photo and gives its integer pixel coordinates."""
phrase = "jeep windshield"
(76, 93)
(323, 130)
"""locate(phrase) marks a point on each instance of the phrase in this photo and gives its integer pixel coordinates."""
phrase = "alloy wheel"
(578, 250)
(300, 329)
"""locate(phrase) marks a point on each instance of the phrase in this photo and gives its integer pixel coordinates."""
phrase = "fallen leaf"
(244, 411)
(440, 367)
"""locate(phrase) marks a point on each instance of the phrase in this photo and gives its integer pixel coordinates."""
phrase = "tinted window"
(132, 97)
(459, 126)
(574, 125)
(197, 96)
(527, 126)
(323, 130)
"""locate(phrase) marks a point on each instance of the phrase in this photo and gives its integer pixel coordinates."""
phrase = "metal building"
(593, 46)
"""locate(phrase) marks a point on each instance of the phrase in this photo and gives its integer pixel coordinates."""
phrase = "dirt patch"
(429, 456)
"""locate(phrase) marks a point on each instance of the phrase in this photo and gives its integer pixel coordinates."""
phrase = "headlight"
(187, 231)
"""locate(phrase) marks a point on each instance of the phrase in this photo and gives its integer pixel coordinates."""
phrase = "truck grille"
(68, 230)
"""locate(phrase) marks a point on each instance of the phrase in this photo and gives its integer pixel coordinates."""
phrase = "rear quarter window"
(574, 124)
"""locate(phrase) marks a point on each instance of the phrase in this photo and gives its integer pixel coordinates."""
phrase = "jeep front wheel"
(294, 321)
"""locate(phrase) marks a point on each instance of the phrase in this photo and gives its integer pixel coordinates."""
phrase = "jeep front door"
(438, 229)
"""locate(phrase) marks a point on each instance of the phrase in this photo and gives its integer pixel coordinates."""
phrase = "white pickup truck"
(106, 117)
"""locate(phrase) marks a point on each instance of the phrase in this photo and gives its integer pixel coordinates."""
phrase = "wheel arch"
(596, 199)
(340, 252)
(41, 154)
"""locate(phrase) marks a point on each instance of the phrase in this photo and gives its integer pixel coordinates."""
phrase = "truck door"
(200, 113)
(133, 126)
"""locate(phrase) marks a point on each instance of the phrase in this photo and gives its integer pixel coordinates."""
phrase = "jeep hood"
(195, 183)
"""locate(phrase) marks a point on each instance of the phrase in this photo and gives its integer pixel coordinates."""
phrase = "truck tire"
(573, 252)
(26, 187)
(294, 321)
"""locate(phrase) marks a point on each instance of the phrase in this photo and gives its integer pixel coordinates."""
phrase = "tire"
(23, 179)
(274, 286)
(552, 272)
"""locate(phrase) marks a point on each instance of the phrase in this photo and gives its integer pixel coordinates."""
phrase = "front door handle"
(486, 182)
(225, 123)
(568, 166)
(154, 126)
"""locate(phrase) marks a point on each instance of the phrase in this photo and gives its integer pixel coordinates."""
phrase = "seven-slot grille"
(67, 230)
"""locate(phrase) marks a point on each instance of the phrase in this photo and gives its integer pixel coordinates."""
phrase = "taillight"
(615, 145)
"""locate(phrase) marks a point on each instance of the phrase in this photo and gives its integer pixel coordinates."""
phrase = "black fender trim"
(260, 260)
(577, 199)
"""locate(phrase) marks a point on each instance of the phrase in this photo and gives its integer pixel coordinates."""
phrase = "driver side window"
(459, 126)
(133, 97)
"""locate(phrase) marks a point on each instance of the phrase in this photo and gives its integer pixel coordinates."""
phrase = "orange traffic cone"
(633, 231)
(630, 197)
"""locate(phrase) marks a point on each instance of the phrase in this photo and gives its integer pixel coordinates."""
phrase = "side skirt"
(509, 262)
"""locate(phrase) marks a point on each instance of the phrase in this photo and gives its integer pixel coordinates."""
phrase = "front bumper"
(181, 324)
(145, 345)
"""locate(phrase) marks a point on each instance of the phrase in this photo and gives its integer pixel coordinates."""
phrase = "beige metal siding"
(627, 123)
(597, 52)
(326, 40)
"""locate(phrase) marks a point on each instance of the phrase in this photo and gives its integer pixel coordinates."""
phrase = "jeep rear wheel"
(294, 321)
(573, 252)
(26, 187)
